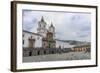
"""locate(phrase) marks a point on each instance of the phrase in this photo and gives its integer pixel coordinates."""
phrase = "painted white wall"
(38, 42)
(5, 38)
(38, 39)
(63, 44)
(25, 38)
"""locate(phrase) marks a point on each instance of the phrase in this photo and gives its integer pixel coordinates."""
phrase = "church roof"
(51, 25)
(42, 19)
(32, 33)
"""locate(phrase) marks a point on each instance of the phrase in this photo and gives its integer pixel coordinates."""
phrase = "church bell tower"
(52, 29)
(42, 27)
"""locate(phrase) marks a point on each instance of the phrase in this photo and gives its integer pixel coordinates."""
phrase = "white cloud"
(69, 26)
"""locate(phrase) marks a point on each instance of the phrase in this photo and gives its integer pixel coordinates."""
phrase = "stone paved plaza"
(58, 57)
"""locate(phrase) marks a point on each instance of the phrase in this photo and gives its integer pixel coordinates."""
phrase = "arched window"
(49, 45)
(38, 53)
(52, 52)
(44, 52)
(30, 53)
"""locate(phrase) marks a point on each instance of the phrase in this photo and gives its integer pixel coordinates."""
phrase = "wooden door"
(30, 44)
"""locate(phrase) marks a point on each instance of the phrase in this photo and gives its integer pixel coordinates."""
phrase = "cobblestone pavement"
(58, 57)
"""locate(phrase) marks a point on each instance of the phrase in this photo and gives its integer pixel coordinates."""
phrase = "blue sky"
(68, 25)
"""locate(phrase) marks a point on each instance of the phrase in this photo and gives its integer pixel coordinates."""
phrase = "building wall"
(39, 42)
(48, 41)
(63, 44)
(26, 36)
(40, 51)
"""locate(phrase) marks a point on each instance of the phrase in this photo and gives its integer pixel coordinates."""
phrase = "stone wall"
(43, 51)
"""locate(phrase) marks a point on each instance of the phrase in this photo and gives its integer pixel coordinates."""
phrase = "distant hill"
(73, 42)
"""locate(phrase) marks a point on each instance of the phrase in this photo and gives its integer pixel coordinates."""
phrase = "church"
(43, 42)
(43, 38)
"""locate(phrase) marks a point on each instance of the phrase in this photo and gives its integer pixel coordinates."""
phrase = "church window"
(23, 42)
(49, 45)
(23, 35)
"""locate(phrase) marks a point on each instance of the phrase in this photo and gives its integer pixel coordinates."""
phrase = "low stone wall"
(43, 51)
